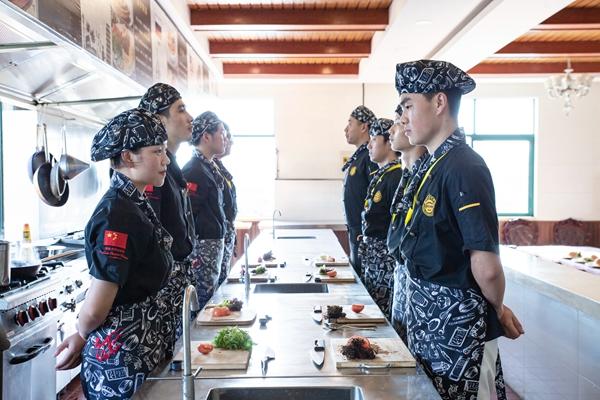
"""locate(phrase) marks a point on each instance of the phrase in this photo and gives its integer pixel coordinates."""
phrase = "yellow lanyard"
(410, 211)
(378, 181)
(223, 176)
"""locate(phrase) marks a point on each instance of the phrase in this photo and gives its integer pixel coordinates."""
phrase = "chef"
(378, 265)
(229, 205)
(206, 186)
(358, 170)
(170, 201)
(455, 284)
(410, 157)
(125, 325)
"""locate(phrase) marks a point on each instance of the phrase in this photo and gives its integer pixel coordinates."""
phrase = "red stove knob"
(52, 303)
(21, 318)
(33, 312)
(43, 306)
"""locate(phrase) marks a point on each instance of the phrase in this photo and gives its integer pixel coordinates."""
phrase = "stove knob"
(52, 303)
(21, 318)
(69, 289)
(33, 312)
(78, 283)
(43, 306)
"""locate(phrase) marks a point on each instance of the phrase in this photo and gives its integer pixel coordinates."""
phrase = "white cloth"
(487, 374)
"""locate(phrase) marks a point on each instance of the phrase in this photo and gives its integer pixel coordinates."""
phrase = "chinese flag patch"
(115, 239)
(192, 187)
(149, 189)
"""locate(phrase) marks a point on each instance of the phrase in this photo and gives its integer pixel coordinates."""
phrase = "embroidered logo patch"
(192, 187)
(149, 189)
(429, 205)
(115, 239)
(353, 171)
(377, 197)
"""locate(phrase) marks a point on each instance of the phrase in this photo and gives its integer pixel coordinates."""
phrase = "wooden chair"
(520, 232)
(570, 232)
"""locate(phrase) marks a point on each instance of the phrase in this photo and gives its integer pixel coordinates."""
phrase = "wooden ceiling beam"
(550, 49)
(289, 69)
(533, 68)
(288, 20)
(572, 19)
(287, 49)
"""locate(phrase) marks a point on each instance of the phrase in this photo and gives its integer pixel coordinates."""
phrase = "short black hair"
(454, 96)
(117, 161)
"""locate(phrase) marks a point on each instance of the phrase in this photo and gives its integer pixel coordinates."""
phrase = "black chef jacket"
(376, 214)
(206, 198)
(455, 213)
(229, 194)
(172, 207)
(356, 181)
(121, 246)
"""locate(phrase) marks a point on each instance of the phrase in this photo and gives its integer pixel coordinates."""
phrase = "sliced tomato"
(332, 273)
(221, 312)
(205, 348)
(357, 307)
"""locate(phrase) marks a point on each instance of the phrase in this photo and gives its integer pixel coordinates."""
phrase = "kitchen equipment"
(340, 263)
(317, 314)
(39, 156)
(308, 277)
(217, 358)
(4, 263)
(243, 317)
(341, 277)
(69, 166)
(235, 277)
(371, 314)
(317, 353)
(391, 351)
(42, 175)
(264, 363)
(22, 270)
(334, 326)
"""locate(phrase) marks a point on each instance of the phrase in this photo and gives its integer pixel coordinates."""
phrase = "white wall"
(310, 119)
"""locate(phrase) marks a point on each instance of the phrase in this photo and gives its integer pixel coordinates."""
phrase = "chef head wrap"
(159, 98)
(381, 126)
(399, 109)
(364, 115)
(205, 122)
(431, 76)
(130, 130)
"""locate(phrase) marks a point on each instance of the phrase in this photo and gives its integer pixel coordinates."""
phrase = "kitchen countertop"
(578, 289)
(291, 331)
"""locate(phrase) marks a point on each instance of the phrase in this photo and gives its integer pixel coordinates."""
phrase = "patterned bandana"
(363, 114)
(361, 148)
(381, 126)
(159, 98)
(205, 122)
(124, 184)
(129, 130)
(212, 167)
(431, 76)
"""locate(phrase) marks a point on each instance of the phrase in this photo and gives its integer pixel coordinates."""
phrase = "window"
(502, 131)
(252, 162)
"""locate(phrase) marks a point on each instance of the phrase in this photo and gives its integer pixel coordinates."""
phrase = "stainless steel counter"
(291, 332)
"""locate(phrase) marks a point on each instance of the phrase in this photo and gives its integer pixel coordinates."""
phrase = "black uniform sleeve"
(114, 241)
(471, 194)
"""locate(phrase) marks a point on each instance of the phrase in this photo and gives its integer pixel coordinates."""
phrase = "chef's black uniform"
(230, 210)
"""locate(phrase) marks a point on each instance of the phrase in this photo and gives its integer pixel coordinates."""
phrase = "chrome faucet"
(190, 303)
(246, 266)
(275, 212)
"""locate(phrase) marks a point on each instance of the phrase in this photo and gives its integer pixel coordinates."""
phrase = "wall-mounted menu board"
(134, 36)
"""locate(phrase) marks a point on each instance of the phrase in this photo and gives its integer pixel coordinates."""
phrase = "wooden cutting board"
(337, 263)
(218, 358)
(392, 351)
(341, 277)
(235, 277)
(244, 317)
(371, 314)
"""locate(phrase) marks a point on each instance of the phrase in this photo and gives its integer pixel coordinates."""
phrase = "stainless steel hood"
(39, 67)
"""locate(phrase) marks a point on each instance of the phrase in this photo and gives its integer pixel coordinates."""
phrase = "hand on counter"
(72, 356)
(511, 324)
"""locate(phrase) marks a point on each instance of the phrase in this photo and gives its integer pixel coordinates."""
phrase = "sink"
(291, 288)
(287, 393)
(296, 237)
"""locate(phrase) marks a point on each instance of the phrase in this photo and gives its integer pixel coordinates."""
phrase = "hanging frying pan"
(41, 178)
(58, 184)
(39, 157)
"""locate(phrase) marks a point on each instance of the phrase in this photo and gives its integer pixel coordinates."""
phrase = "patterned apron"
(399, 300)
(446, 331)
(181, 276)
(227, 252)
(208, 257)
(378, 272)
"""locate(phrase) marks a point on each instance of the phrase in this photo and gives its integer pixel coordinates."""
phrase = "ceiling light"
(423, 22)
(566, 86)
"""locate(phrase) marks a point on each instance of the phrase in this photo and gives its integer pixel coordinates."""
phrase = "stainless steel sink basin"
(287, 393)
(296, 237)
(291, 288)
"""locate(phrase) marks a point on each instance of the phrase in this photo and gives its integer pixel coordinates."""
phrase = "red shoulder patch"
(115, 239)
(192, 187)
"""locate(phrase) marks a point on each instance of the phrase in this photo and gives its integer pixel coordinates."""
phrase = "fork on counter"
(332, 326)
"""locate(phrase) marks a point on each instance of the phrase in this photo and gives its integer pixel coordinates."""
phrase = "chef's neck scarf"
(123, 184)
(223, 172)
(457, 138)
(397, 208)
(377, 177)
(212, 167)
(360, 149)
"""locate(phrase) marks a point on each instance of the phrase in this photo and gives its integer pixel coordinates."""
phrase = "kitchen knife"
(317, 314)
(317, 354)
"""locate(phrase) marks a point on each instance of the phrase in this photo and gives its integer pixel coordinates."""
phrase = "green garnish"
(259, 270)
(233, 338)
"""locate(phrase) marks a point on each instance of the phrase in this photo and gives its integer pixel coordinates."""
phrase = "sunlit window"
(502, 131)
